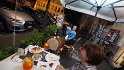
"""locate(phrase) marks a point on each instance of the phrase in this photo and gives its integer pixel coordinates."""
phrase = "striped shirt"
(80, 66)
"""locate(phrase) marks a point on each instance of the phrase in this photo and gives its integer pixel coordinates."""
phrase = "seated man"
(71, 34)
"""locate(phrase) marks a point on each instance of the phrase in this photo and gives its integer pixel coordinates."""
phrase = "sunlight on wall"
(54, 9)
(119, 57)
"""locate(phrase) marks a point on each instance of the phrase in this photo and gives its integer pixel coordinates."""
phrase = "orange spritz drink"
(28, 63)
(46, 46)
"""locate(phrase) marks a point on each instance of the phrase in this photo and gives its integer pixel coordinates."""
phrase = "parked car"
(38, 16)
(10, 20)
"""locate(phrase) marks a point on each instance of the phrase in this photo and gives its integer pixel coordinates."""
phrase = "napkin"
(17, 59)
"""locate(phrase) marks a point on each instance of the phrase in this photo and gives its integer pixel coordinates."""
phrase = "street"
(6, 39)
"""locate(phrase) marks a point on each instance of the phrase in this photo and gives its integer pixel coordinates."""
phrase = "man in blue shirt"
(71, 34)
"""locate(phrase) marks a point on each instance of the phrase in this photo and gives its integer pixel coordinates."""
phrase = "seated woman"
(60, 20)
(62, 26)
(59, 32)
(91, 56)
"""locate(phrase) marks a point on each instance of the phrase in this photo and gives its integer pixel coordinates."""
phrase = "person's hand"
(66, 37)
(59, 67)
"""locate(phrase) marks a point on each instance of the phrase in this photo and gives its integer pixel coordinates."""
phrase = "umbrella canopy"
(111, 10)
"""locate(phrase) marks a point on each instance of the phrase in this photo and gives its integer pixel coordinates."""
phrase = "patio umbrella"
(111, 10)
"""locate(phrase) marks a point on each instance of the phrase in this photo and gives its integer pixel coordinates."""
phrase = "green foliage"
(7, 52)
(25, 41)
(50, 30)
(3, 55)
(37, 38)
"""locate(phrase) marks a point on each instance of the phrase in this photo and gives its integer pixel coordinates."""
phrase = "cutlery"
(14, 55)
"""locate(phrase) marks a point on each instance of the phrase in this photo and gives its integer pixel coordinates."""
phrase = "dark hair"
(120, 68)
(64, 29)
(94, 53)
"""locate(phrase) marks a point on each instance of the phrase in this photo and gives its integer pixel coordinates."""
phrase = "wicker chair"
(71, 48)
(55, 43)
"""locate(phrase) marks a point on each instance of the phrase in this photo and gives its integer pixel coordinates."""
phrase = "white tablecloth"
(8, 64)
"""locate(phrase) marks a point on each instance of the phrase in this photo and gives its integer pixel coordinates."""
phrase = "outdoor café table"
(8, 64)
(16, 64)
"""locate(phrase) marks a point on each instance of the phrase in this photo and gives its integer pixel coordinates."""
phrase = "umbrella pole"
(90, 35)
(14, 34)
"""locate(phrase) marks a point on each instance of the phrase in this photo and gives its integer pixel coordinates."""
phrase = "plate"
(38, 59)
(35, 49)
(43, 65)
(46, 66)
(52, 58)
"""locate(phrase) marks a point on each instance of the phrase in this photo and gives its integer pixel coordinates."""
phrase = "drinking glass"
(28, 63)
(46, 46)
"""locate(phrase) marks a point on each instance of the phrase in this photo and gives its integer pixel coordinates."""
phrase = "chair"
(55, 43)
(71, 48)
